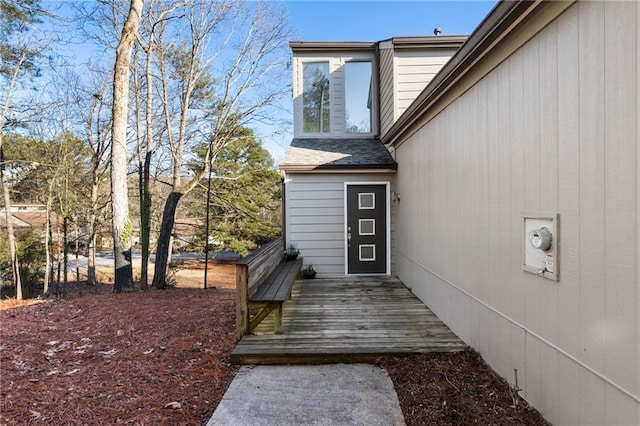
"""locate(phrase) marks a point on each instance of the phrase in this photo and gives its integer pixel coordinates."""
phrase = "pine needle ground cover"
(162, 357)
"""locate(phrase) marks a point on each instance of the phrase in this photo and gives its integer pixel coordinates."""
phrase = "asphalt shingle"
(338, 154)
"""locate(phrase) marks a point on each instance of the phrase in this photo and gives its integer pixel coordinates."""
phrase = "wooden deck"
(352, 319)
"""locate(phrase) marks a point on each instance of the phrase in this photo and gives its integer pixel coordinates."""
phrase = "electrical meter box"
(541, 241)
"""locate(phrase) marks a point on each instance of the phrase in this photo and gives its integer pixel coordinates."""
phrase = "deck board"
(349, 319)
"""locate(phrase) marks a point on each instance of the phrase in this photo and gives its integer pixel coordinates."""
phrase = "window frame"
(331, 96)
(336, 93)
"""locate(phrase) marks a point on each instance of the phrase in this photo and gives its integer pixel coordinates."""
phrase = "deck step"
(343, 320)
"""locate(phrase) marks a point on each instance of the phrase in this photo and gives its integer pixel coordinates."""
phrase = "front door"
(366, 233)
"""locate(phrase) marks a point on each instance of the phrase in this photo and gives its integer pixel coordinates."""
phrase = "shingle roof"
(338, 154)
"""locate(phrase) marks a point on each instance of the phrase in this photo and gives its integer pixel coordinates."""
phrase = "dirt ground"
(186, 274)
(162, 357)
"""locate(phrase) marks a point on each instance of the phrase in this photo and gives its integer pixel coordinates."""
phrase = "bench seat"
(277, 286)
(273, 292)
(263, 281)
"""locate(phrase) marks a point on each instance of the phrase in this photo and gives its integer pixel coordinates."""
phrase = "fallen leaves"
(108, 354)
(59, 366)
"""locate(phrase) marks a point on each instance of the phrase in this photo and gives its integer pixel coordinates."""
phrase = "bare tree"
(224, 85)
(16, 58)
(158, 14)
(13, 250)
(87, 98)
(99, 143)
(122, 226)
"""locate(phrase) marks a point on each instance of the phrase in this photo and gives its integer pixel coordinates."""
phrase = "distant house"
(27, 217)
(505, 194)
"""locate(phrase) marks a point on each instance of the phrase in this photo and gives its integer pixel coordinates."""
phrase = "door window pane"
(367, 252)
(367, 226)
(366, 201)
(316, 100)
(357, 91)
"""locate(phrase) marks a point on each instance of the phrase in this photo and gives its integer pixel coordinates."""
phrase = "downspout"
(284, 210)
(377, 103)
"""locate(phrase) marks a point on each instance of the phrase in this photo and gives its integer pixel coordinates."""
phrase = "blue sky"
(377, 20)
(374, 21)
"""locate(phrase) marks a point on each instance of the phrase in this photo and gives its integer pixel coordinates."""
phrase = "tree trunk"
(145, 191)
(145, 220)
(47, 254)
(11, 237)
(48, 275)
(77, 253)
(122, 226)
(166, 229)
(65, 256)
(92, 225)
(91, 261)
(52, 263)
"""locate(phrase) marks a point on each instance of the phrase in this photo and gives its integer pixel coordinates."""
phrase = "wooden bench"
(263, 280)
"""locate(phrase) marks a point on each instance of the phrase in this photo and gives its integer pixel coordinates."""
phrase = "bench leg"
(277, 319)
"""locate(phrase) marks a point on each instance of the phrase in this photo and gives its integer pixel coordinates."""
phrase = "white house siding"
(414, 69)
(387, 117)
(337, 96)
(315, 217)
(554, 128)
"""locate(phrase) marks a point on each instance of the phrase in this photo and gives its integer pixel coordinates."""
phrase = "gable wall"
(554, 128)
(315, 217)
(414, 69)
(387, 91)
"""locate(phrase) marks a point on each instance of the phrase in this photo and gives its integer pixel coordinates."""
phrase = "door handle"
(349, 235)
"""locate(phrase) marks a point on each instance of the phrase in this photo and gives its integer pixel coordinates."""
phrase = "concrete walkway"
(339, 394)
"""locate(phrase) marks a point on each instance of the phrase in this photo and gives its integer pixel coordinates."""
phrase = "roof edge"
(302, 46)
(354, 168)
(502, 19)
(428, 41)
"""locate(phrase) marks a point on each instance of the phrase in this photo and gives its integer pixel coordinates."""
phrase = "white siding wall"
(337, 97)
(413, 71)
(315, 217)
(554, 128)
(386, 90)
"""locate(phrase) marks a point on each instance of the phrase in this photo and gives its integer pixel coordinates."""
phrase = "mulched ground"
(455, 389)
(157, 357)
(162, 357)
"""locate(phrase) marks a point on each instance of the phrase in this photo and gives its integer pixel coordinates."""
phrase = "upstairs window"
(357, 97)
(335, 96)
(316, 98)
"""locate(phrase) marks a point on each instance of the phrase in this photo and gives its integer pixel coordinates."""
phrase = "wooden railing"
(250, 272)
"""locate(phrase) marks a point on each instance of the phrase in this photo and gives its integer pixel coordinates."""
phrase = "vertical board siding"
(386, 90)
(619, 180)
(568, 204)
(553, 129)
(638, 184)
(315, 217)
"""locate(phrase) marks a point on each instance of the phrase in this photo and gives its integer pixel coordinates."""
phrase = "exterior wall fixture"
(541, 242)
